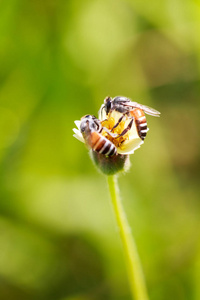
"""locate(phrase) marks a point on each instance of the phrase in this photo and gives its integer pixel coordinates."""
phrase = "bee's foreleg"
(119, 121)
(126, 129)
(113, 135)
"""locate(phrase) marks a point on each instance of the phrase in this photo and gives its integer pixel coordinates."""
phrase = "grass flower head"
(119, 130)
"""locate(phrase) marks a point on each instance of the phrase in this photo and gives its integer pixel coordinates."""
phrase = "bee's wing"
(148, 110)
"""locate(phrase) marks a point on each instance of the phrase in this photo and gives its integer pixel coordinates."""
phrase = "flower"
(125, 144)
(120, 133)
(77, 132)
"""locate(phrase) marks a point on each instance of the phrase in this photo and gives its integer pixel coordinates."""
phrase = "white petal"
(102, 113)
(78, 135)
(77, 122)
(78, 138)
(130, 146)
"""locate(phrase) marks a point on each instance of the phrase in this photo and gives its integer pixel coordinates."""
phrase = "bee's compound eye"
(84, 124)
(89, 117)
(107, 99)
(88, 124)
(93, 126)
(86, 117)
(108, 104)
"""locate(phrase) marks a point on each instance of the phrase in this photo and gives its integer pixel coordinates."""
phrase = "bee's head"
(107, 104)
(88, 123)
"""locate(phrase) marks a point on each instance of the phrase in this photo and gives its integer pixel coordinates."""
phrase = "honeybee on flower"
(119, 129)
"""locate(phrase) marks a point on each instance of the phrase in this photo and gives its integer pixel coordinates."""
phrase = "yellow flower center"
(110, 122)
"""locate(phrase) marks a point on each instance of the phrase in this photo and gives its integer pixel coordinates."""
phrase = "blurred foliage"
(59, 60)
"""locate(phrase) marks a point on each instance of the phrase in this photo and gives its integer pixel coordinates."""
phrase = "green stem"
(135, 274)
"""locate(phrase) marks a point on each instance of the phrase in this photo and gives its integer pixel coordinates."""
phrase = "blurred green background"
(58, 61)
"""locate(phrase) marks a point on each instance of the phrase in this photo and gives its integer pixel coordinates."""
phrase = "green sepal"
(110, 165)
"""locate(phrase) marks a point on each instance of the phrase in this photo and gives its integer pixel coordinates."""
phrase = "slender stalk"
(135, 274)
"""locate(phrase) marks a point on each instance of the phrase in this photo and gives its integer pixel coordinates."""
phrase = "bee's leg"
(117, 124)
(113, 135)
(126, 129)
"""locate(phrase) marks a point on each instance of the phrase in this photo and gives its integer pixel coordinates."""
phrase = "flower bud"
(110, 165)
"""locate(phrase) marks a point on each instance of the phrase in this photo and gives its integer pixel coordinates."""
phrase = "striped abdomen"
(140, 121)
(101, 144)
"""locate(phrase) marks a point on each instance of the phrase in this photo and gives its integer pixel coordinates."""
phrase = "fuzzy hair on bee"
(120, 128)
(133, 110)
(91, 130)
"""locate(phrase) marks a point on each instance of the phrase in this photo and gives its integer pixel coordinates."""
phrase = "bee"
(126, 108)
(91, 130)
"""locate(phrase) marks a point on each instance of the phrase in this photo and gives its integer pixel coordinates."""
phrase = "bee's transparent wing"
(148, 110)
